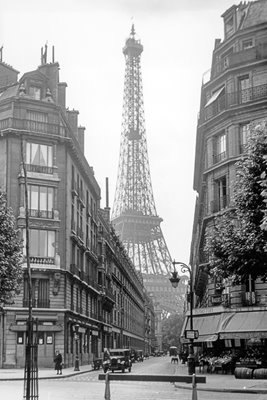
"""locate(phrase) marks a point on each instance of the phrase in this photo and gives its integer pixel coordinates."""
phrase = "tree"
(236, 243)
(171, 330)
(10, 253)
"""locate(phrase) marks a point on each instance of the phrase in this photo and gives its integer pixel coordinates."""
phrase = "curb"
(211, 389)
(50, 377)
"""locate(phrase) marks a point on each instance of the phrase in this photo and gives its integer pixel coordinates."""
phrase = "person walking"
(58, 362)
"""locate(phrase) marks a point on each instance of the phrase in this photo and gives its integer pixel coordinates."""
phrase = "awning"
(207, 326)
(244, 325)
(214, 96)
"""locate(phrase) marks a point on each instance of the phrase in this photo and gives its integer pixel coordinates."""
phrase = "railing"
(40, 169)
(238, 58)
(226, 101)
(37, 303)
(42, 260)
(219, 157)
(48, 214)
(32, 126)
(110, 294)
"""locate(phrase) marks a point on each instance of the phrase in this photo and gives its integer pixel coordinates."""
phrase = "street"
(87, 386)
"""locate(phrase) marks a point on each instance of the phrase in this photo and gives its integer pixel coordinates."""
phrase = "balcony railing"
(226, 101)
(42, 260)
(47, 214)
(37, 303)
(239, 58)
(40, 169)
(33, 126)
(219, 157)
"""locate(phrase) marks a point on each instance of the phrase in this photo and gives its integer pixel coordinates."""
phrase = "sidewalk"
(49, 373)
(224, 383)
(214, 382)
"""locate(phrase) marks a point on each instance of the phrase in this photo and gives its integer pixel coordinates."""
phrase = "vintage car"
(139, 355)
(118, 360)
(97, 363)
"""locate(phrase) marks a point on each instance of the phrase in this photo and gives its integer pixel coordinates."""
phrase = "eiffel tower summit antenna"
(134, 214)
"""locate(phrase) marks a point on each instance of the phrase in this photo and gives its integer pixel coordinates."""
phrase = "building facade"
(233, 96)
(86, 293)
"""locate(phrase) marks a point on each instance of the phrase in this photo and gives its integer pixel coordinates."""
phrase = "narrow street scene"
(133, 200)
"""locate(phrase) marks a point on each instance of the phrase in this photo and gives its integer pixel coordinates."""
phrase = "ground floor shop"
(76, 337)
(228, 338)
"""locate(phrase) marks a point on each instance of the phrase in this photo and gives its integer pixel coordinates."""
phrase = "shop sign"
(191, 334)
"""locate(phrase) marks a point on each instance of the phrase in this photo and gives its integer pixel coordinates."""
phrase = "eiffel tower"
(134, 214)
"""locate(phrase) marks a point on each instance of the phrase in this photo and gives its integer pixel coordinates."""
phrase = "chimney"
(72, 116)
(81, 130)
(107, 208)
(51, 71)
(61, 94)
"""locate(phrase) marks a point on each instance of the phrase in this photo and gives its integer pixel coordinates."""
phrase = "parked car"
(139, 355)
(97, 363)
(119, 360)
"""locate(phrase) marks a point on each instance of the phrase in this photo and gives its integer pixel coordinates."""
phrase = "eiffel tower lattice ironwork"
(134, 214)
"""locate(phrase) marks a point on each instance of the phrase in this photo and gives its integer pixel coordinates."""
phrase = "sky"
(88, 35)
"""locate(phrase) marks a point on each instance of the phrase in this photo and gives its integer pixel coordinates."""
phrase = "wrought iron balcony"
(219, 157)
(37, 303)
(32, 126)
(227, 101)
(239, 58)
(40, 169)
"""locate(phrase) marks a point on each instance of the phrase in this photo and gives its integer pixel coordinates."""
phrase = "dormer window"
(35, 92)
(229, 26)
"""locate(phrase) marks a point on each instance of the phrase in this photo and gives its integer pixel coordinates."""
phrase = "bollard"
(107, 387)
(194, 387)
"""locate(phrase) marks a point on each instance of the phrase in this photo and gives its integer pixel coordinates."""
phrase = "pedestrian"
(58, 362)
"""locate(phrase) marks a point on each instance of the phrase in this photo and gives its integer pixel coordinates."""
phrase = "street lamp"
(175, 279)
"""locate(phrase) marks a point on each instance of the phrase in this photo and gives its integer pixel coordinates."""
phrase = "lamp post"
(175, 279)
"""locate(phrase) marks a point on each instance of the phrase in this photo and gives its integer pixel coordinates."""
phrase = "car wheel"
(129, 369)
(123, 370)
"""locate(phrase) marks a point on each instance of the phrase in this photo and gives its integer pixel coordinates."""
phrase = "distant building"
(234, 95)
(86, 293)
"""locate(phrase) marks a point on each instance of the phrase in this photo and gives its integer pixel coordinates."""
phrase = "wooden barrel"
(243, 373)
(260, 373)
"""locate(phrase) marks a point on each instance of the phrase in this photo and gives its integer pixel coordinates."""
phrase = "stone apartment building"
(234, 95)
(86, 293)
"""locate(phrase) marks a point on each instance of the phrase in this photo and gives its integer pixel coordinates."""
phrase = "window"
(219, 148)
(225, 57)
(35, 92)
(41, 201)
(247, 44)
(39, 155)
(244, 133)
(245, 89)
(220, 194)
(42, 243)
(40, 293)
